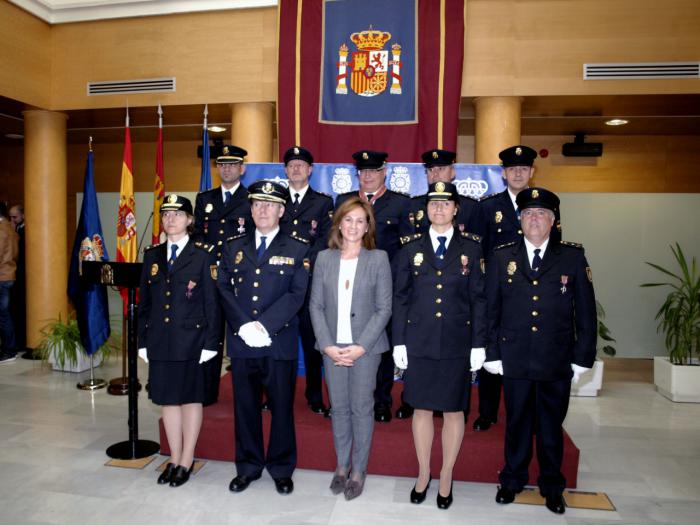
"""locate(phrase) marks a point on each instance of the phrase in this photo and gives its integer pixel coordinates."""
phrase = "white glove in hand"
(400, 357)
(206, 355)
(254, 334)
(494, 367)
(578, 372)
(143, 355)
(477, 358)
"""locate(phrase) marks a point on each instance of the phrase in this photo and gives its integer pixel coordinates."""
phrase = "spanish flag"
(159, 185)
(126, 222)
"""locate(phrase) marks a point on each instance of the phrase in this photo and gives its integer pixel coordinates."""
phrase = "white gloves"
(494, 367)
(477, 358)
(400, 357)
(254, 334)
(578, 372)
(206, 355)
(143, 355)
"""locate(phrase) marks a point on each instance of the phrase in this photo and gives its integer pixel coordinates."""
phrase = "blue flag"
(90, 300)
(205, 178)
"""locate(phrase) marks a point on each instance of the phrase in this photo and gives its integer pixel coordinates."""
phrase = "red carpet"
(392, 447)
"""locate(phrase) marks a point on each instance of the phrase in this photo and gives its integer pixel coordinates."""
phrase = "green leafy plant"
(61, 339)
(679, 315)
(604, 332)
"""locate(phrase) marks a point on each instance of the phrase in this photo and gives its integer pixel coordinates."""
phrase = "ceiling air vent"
(144, 85)
(641, 70)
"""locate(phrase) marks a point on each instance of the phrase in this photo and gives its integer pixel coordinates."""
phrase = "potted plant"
(62, 348)
(677, 376)
(592, 381)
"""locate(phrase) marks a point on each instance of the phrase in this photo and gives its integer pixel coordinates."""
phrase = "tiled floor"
(640, 448)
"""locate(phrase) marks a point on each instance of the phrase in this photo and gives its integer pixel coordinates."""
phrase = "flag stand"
(92, 383)
(119, 386)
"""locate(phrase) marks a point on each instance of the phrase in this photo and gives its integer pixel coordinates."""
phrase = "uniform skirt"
(437, 384)
(176, 382)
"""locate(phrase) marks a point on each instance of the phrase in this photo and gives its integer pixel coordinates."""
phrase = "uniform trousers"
(249, 375)
(489, 394)
(350, 389)
(539, 408)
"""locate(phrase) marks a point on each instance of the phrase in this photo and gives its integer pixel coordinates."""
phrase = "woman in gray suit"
(350, 307)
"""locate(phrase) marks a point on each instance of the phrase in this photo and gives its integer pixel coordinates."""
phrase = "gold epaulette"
(234, 237)
(471, 236)
(150, 247)
(300, 239)
(204, 246)
(410, 238)
(487, 197)
(504, 245)
(572, 244)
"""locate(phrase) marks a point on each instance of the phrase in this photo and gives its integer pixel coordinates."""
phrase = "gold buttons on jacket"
(535, 313)
(255, 312)
(535, 297)
(221, 232)
(295, 221)
(167, 319)
(294, 233)
(438, 314)
(535, 283)
(438, 300)
(167, 307)
(257, 271)
(439, 273)
(255, 298)
(167, 294)
(438, 286)
(520, 232)
(256, 284)
(223, 221)
(534, 328)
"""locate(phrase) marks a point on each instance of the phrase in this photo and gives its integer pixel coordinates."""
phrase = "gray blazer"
(371, 300)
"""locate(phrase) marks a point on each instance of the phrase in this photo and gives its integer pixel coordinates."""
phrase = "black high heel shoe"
(166, 475)
(181, 475)
(444, 502)
(419, 497)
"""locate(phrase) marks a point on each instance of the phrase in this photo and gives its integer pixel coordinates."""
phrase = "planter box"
(590, 382)
(680, 383)
(82, 364)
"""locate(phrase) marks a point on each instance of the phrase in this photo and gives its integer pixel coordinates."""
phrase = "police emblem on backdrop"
(400, 179)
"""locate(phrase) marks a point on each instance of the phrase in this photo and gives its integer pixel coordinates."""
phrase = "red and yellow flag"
(126, 221)
(159, 185)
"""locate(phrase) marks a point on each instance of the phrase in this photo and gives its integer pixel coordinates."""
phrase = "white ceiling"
(65, 11)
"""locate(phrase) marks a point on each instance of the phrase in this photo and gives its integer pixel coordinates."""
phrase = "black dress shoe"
(555, 503)
(382, 413)
(404, 411)
(444, 502)
(318, 408)
(181, 475)
(284, 485)
(419, 497)
(505, 495)
(166, 475)
(241, 482)
(482, 424)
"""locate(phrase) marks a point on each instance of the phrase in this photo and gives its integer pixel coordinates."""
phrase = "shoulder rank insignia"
(324, 194)
(471, 236)
(214, 271)
(234, 237)
(572, 244)
(300, 239)
(409, 238)
(150, 247)
(504, 245)
(487, 197)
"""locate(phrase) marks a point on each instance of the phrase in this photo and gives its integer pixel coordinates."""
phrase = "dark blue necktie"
(227, 197)
(262, 247)
(536, 260)
(173, 256)
(441, 249)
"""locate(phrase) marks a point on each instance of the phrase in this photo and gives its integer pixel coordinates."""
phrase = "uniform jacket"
(500, 223)
(371, 300)
(440, 310)
(540, 323)
(178, 310)
(468, 217)
(215, 222)
(391, 212)
(311, 220)
(270, 291)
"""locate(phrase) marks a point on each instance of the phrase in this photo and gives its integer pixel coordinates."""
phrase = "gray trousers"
(352, 403)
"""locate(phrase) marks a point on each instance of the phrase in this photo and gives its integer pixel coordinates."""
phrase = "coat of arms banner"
(379, 74)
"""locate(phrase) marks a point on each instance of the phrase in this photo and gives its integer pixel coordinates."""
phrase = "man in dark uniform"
(391, 213)
(220, 213)
(501, 224)
(263, 276)
(542, 334)
(439, 167)
(307, 215)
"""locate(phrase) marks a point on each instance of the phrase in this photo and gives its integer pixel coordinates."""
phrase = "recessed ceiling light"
(616, 122)
(216, 129)
(14, 136)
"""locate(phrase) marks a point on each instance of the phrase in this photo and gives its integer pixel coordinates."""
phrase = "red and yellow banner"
(159, 185)
(127, 249)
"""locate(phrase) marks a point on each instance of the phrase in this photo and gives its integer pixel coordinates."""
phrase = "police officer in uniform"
(263, 276)
(439, 167)
(439, 331)
(391, 212)
(220, 213)
(179, 320)
(307, 215)
(501, 225)
(542, 334)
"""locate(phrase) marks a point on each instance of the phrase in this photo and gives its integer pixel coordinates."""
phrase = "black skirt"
(437, 384)
(176, 382)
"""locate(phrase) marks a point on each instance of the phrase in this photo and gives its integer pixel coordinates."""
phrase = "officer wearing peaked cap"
(391, 213)
(307, 215)
(262, 283)
(501, 225)
(542, 333)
